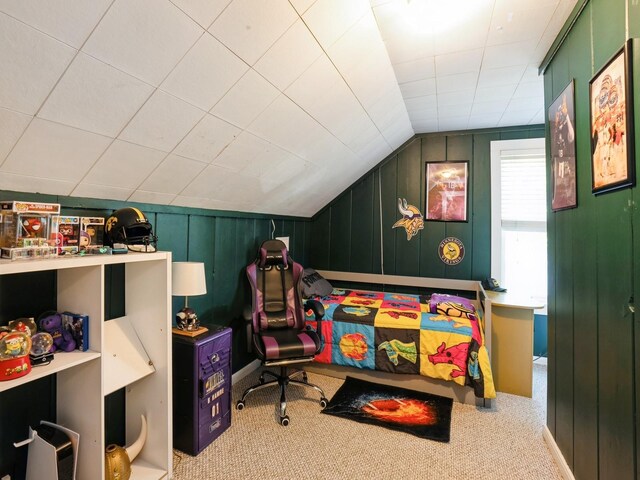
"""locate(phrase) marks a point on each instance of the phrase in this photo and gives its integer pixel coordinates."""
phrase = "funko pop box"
(26, 229)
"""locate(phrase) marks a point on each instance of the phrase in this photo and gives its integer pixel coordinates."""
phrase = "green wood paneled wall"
(594, 273)
(225, 241)
(346, 235)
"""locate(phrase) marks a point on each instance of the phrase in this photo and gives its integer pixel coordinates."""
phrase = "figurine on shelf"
(186, 319)
(26, 325)
(14, 355)
(51, 322)
(117, 464)
(40, 353)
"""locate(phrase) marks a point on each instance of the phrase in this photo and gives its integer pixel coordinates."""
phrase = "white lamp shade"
(188, 279)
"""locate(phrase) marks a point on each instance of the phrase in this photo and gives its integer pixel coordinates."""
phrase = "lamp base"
(190, 333)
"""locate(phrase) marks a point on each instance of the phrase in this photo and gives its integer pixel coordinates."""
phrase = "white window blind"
(522, 186)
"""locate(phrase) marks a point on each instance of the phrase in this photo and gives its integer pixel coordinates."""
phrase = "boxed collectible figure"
(68, 236)
(26, 229)
(91, 232)
(78, 326)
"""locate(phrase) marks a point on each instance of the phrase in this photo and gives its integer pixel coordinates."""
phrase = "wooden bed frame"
(443, 388)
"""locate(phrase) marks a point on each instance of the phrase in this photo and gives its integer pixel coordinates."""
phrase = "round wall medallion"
(451, 251)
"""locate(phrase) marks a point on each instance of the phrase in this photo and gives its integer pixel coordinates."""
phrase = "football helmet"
(131, 227)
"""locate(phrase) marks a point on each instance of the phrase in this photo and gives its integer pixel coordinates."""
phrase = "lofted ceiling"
(272, 106)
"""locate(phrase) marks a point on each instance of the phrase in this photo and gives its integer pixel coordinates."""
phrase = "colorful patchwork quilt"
(438, 336)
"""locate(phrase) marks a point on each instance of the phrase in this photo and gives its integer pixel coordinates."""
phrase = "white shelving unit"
(134, 352)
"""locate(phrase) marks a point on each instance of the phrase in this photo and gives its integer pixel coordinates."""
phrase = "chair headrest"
(272, 252)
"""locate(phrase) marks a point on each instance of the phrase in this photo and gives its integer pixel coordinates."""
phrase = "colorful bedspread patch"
(436, 337)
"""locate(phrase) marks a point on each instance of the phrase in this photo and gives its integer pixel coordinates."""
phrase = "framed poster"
(447, 191)
(563, 150)
(611, 121)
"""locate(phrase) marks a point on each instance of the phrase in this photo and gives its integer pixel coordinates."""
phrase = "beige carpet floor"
(504, 442)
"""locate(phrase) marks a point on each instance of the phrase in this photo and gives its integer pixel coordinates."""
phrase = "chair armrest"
(246, 314)
(318, 311)
(316, 307)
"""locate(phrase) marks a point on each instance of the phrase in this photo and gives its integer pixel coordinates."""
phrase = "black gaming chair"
(278, 330)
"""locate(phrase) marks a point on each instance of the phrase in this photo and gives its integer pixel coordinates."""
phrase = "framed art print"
(611, 117)
(447, 191)
(563, 150)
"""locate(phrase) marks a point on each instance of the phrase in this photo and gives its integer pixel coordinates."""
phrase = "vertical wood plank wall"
(345, 235)
(594, 273)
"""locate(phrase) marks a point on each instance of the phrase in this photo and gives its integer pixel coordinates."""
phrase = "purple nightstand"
(201, 389)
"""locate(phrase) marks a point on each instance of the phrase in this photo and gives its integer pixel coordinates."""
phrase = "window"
(519, 216)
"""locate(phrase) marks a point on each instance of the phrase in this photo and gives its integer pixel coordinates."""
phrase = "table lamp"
(188, 280)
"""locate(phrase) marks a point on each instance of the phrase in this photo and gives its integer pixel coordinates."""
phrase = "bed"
(435, 341)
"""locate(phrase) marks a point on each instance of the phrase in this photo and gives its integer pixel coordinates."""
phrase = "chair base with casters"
(283, 379)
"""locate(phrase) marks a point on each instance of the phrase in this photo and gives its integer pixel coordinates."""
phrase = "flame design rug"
(421, 414)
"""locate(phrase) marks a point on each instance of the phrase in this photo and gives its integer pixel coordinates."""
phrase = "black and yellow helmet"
(131, 227)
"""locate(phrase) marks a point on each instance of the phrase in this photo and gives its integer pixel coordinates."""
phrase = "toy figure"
(51, 322)
(32, 226)
(85, 240)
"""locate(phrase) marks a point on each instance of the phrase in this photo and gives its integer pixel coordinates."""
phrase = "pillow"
(452, 306)
(314, 284)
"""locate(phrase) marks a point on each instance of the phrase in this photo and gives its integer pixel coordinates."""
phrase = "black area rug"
(417, 413)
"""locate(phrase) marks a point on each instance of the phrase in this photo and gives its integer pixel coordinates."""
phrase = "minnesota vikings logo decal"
(412, 220)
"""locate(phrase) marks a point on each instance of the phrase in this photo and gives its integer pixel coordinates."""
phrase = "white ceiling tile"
(460, 81)
(419, 88)
(12, 125)
(250, 27)
(330, 19)
(55, 151)
(503, 92)
(285, 124)
(145, 38)
(205, 73)
(451, 99)
(96, 97)
(526, 103)
(495, 77)
(494, 107)
(538, 117)
(32, 62)
(320, 78)
(250, 154)
(152, 197)
(459, 62)
(469, 32)
(484, 120)
(246, 100)
(291, 55)
(425, 126)
(120, 157)
(531, 73)
(302, 6)
(207, 139)
(162, 122)
(24, 183)
(173, 175)
(513, 23)
(530, 89)
(407, 48)
(70, 21)
(428, 114)
(453, 123)
(101, 191)
(509, 54)
(420, 103)
(461, 110)
(197, 202)
(415, 70)
(202, 11)
(517, 117)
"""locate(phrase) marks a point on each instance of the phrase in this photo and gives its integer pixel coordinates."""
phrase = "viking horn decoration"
(118, 460)
(404, 209)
